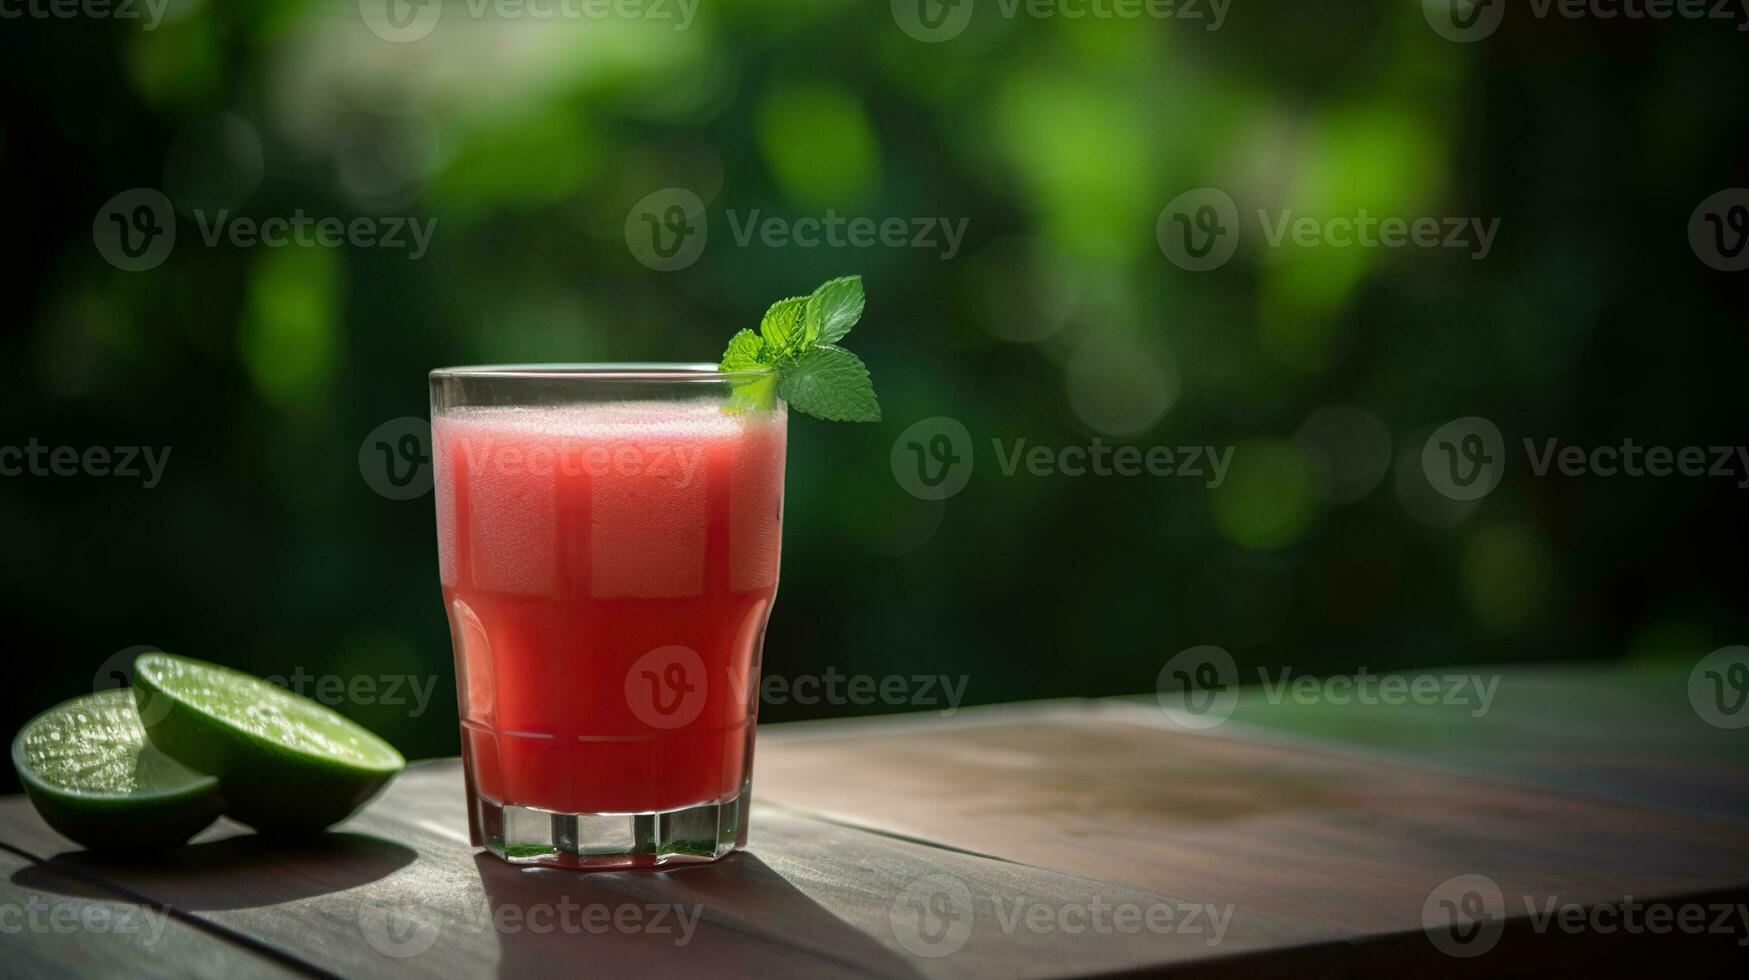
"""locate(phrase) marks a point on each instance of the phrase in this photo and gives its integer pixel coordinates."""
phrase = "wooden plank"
(1353, 845)
(52, 925)
(997, 839)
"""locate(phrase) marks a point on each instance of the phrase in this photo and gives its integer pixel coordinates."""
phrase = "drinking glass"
(608, 540)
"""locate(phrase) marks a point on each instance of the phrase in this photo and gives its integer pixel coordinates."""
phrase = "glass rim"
(607, 371)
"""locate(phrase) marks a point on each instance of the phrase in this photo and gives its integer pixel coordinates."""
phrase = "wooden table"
(1051, 839)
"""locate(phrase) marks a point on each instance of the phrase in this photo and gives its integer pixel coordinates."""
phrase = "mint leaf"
(792, 357)
(834, 309)
(744, 353)
(783, 326)
(829, 383)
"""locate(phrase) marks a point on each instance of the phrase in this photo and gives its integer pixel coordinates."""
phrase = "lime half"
(90, 772)
(286, 764)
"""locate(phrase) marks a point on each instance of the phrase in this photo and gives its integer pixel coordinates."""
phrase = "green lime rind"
(286, 764)
(91, 774)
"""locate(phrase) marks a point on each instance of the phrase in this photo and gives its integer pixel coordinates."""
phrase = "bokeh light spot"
(289, 327)
(1120, 388)
(1270, 498)
(1506, 570)
(819, 144)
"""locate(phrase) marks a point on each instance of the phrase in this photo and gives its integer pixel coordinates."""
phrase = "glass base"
(690, 835)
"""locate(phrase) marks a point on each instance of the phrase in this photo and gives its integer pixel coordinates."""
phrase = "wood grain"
(1352, 844)
(810, 897)
(53, 925)
(1001, 842)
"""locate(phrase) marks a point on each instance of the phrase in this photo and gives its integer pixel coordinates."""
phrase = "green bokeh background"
(1060, 320)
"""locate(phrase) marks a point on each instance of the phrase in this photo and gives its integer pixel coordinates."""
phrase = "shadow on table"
(245, 871)
(745, 919)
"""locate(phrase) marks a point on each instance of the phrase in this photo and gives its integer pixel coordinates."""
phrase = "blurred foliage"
(1060, 321)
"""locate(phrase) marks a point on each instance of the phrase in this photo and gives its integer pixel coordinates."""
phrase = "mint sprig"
(795, 356)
